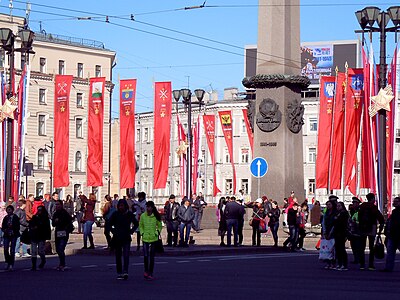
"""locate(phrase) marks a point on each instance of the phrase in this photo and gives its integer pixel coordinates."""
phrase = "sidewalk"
(206, 242)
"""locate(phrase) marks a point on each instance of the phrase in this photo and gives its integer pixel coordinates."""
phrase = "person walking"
(327, 227)
(233, 213)
(301, 223)
(20, 213)
(10, 227)
(79, 208)
(62, 223)
(354, 229)
(185, 217)
(139, 206)
(340, 229)
(274, 215)
(40, 231)
(292, 220)
(369, 216)
(150, 229)
(221, 219)
(198, 205)
(392, 233)
(240, 222)
(258, 214)
(108, 210)
(171, 219)
(88, 220)
(123, 224)
(3, 213)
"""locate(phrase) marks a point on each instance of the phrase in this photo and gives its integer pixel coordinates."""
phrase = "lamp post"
(7, 39)
(187, 101)
(367, 17)
(51, 147)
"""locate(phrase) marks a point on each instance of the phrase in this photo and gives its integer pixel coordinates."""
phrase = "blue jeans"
(274, 231)
(87, 233)
(184, 238)
(391, 248)
(232, 223)
(9, 250)
(196, 220)
(61, 243)
(122, 250)
(20, 245)
(293, 235)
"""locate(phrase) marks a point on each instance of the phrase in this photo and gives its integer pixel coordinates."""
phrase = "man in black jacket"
(171, 219)
(293, 213)
(233, 213)
(186, 217)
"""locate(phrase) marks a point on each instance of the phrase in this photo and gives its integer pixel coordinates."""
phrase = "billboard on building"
(317, 58)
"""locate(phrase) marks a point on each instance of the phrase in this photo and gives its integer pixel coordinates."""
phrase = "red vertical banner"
(335, 173)
(227, 128)
(327, 92)
(127, 173)
(62, 92)
(248, 128)
(354, 99)
(196, 150)
(95, 132)
(209, 128)
(162, 127)
(181, 152)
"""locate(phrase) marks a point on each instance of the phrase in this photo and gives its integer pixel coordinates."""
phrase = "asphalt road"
(278, 275)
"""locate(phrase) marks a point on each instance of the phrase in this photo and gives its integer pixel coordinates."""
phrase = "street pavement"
(273, 275)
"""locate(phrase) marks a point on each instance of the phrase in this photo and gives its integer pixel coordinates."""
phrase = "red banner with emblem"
(181, 152)
(162, 127)
(95, 132)
(327, 92)
(127, 173)
(62, 91)
(209, 128)
(227, 128)
(248, 128)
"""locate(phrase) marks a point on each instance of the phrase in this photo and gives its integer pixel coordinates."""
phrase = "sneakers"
(341, 268)
(17, 255)
(362, 268)
(60, 268)
(26, 255)
(120, 277)
(125, 276)
(150, 277)
(145, 275)
(371, 268)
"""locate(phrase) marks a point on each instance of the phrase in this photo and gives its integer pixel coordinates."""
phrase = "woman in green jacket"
(150, 227)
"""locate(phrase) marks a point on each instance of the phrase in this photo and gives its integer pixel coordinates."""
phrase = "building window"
(313, 125)
(245, 186)
(245, 155)
(79, 128)
(42, 65)
(42, 96)
(80, 70)
(227, 156)
(138, 135)
(61, 67)
(145, 161)
(146, 135)
(77, 189)
(228, 186)
(79, 100)
(40, 162)
(78, 161)
(42, 125)
(311, 155)
(98, 71)
(39, 189)
(243, 127)
(311, 186)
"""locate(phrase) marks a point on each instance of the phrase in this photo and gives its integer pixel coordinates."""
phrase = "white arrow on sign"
(258, 168)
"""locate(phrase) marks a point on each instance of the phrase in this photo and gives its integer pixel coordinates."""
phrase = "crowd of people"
(45, 223)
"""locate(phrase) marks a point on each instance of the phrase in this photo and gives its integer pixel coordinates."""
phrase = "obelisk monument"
(278, 114)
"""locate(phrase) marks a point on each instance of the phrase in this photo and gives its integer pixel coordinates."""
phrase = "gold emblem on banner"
(62, 108)
(127, 110)
(226, 120)
(96, 109)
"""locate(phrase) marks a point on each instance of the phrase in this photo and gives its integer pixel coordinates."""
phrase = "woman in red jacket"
(88, 219)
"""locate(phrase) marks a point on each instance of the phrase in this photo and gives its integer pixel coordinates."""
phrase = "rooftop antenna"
(27, 13)
(11, 7)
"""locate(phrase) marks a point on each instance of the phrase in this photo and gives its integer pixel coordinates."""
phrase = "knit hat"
(259, 200)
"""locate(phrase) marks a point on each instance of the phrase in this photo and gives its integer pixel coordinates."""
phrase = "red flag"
(196, 145)
(354, 100)
(162, 126)
(335, 173)
(127, 163)
(226, 124)
(248, 128)
(181, 151)
(95, 132)
(327, 92)
(209, 128)
(61, 130)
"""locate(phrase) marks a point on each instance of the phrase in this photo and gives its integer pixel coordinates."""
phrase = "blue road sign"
(258, 167)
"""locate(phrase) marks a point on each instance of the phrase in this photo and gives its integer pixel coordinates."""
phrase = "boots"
(91, 242)
(42, 261)
(34, 260)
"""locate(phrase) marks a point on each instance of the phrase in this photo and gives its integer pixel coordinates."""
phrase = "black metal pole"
(189, 151)
(382, 119)
(10, 128)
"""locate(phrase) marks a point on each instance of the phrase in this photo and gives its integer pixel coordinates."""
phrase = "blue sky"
(150, 58)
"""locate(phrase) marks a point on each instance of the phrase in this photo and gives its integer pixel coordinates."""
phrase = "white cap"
(259, 200)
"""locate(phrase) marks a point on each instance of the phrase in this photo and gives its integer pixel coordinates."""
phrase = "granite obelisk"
(278, 114)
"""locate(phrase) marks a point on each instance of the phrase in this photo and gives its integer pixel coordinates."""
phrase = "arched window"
(78, 161)
(40, 162)
(39, 189)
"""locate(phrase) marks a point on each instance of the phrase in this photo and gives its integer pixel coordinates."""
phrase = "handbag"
(327, 249)
(158, 245)
(61, 233)
(379, 248)
(263, 226)
(26, 237)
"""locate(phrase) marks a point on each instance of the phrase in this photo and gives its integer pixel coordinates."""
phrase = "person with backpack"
(392, 233)
(10, 227)
(108, 210)
(369, 216)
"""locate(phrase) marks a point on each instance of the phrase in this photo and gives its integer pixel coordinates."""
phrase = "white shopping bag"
(327, 249)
